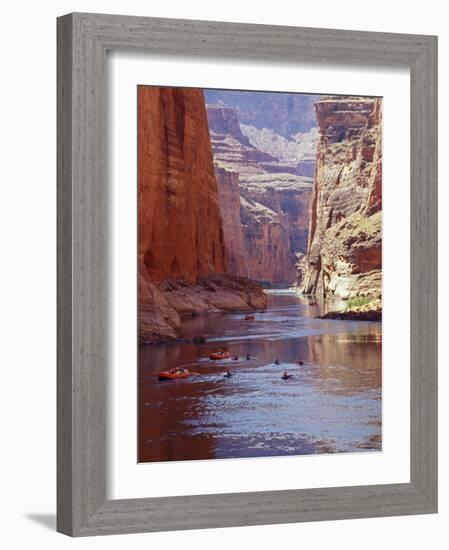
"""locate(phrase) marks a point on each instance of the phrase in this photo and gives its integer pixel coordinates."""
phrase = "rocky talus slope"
(182, 259)
(344, 255)
(273, 201)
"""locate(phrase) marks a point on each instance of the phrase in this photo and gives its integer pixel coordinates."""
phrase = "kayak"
(286, 377)
(249, 318)
(220, 355)
(175, 375)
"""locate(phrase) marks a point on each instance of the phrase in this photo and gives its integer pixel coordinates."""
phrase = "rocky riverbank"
(371, 311)
(163, 305)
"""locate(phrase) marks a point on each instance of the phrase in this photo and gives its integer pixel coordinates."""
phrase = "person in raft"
(176, 370)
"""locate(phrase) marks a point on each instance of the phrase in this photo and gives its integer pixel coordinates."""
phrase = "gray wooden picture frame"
(83, 40)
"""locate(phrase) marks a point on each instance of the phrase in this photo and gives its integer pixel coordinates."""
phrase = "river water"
(331, 404)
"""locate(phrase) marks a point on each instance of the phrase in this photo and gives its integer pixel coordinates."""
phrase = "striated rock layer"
(273, 200)
(344, 254)
(297, 153)
(180, 226)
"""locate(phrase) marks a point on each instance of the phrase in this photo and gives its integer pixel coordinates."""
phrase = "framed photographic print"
(246, 274)
(236, 302)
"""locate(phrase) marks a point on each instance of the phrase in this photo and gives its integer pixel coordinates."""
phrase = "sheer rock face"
(267, 250)
(273, 203)
(288, 197)
(180, 230)
(344, 256)
(181, 244)
(235, 247)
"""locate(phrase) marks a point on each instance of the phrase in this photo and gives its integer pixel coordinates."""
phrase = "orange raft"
(219, 355)
(174, 374)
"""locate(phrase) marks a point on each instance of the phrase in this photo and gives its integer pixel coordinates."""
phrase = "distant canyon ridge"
(242, 188)
(265, 178)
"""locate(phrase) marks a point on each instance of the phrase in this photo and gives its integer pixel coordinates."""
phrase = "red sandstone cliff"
(181, 244)
(180, 231)
(344, 255)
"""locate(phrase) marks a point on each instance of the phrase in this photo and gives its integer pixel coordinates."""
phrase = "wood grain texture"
(83, 40)
(64, 277)
(423, 274)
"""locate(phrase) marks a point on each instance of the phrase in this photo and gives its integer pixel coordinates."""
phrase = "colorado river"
(331, 404)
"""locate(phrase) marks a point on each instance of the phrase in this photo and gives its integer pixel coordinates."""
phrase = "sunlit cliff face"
(180, 230)
(344, 256)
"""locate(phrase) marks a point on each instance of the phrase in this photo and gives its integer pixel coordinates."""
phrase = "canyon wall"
(268, 252)
(180, 231)
(182, 258)
(235, 247)
(273, 199)
(344, 255)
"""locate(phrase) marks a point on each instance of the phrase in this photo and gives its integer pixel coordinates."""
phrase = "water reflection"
(331, 404)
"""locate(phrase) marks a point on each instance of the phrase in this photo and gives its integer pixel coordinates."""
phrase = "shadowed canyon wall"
(273, 198)
(181, 244)
(344, 256)
(235, 247)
